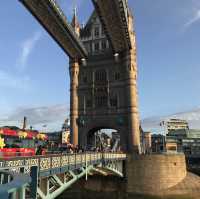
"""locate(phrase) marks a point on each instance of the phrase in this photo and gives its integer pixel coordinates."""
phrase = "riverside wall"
(150, 174)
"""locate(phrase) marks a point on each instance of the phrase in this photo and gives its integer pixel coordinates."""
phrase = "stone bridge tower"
(103, 70)
(104, 86)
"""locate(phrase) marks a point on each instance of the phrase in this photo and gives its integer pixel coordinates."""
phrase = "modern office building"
(188, 140)
(176, 124)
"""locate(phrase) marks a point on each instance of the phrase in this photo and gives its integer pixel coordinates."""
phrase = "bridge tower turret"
(132, 93)
(74, 72)
(75, 24)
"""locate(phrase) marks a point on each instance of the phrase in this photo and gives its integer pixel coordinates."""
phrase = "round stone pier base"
(150, 174)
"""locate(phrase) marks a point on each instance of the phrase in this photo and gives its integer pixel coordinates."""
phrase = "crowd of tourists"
(66, 148)
(58, 148)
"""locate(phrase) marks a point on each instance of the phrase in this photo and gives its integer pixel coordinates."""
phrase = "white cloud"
(195, 18)
(12, 81)
(52, 116)
(27, 46)
(192, 116)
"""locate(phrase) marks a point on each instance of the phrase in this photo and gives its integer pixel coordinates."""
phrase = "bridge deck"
(114, 16)
(51, 17)
(58, 163)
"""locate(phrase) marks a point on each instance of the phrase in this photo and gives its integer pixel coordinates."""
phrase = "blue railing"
(13, 185)
(56, 163)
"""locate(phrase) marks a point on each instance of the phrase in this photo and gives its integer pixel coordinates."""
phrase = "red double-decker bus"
(17, 142)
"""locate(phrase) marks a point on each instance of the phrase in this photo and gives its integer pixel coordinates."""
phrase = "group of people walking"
(58, 148)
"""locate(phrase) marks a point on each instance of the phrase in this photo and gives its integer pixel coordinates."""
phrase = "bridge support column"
(34, 181)
(22, 193)
(13, 195)
(74, 73)
(61, 177)
(44, 185)
(132, 95)
(132, 98)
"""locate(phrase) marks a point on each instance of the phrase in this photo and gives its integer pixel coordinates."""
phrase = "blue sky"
(34, 70)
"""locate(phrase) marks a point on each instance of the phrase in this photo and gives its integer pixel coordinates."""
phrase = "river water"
(88, 190)
(84, 194)
(95, 195)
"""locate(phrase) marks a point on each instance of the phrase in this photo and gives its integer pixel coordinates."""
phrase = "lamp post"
(95, 140)
(164, 135)
(156, 143)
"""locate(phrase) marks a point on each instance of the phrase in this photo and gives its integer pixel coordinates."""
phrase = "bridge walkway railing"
(47, 166)
(13, 185)
(57, 163)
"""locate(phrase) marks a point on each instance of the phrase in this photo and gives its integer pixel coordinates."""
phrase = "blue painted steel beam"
(69, 183)
(34, 182)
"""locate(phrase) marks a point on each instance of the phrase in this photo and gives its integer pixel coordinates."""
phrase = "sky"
(34, 77)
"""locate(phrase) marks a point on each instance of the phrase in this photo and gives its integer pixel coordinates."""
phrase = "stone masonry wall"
(153, 173)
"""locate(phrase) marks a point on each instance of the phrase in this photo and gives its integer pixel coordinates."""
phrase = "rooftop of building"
(175, 120)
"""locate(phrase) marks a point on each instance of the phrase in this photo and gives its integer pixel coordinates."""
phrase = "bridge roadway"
(46, 177)
(114, 16)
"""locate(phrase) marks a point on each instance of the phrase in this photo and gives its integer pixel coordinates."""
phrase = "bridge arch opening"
(103, 139)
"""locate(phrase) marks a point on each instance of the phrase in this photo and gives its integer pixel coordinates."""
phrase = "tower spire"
(75, 10)
(75, 24)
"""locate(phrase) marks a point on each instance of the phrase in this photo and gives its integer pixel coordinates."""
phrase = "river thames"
(78, 191)
(95, 195)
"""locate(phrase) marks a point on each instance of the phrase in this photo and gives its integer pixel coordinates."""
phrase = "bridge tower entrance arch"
(103, 137)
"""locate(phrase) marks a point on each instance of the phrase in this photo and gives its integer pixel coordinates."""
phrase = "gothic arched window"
(96, 46)
(114, 101)
(101, 75)
(103, 45)
(96, 31)
(89, 103)
(117, 75)
(101, 101)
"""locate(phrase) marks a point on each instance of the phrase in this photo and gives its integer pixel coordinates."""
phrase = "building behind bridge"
(178, 137)
(176, 124)
(188, 140)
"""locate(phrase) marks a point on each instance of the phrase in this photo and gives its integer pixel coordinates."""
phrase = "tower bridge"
(103, 94)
